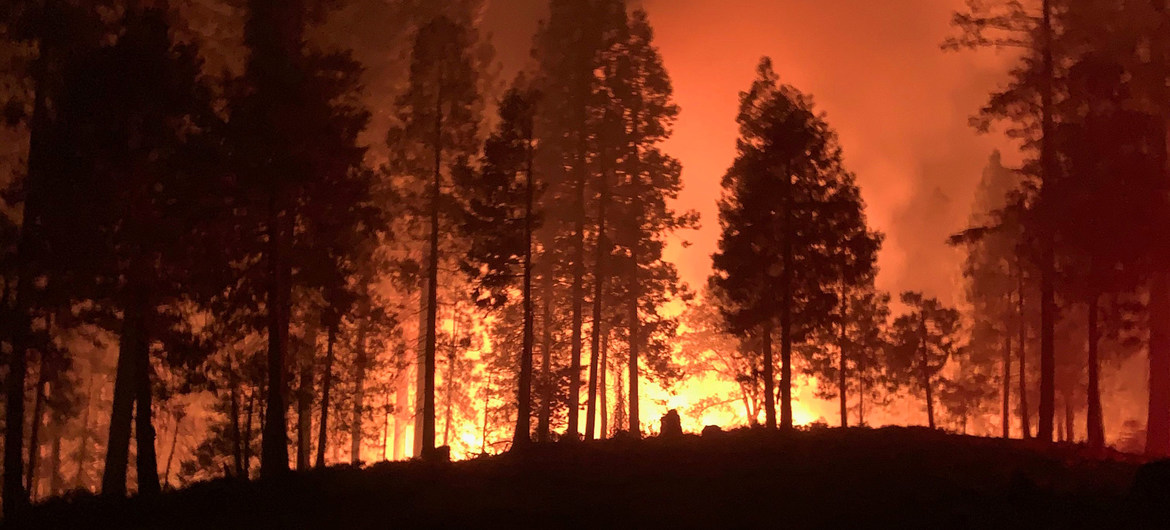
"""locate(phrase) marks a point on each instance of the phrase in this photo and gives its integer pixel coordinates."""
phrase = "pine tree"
(294, 136)
(439, 113)
(1030, 102)
(785, 198)
(990, 268)
(501, 217)
(647, 182)
(922, 342)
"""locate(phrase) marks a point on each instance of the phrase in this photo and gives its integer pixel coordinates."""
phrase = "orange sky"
(899, 103)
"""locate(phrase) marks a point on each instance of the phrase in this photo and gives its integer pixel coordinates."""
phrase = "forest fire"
(483, 261)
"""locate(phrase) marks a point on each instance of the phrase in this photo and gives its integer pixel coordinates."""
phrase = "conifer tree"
(785, 198)
(439, 115)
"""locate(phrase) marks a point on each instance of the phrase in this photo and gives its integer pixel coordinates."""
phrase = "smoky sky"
(899, 103)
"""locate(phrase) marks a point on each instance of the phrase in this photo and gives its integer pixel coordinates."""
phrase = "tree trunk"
(598, 291)
(786, 311)
(81, 479)
(305, 394)
(1006, 414)
(619, 410)
(1069, 416)
(602, 388)
(452, 374)
(125, 381)
(249, 415)
(234, 416)
(15, 498)
(577, 309)
(171, 453)
(146, 461)
(401, 404)
(842, 380)
(769, 376)
(1094, 420)
(1048, 261)
(1025, 413)
(1158, 422)
(326, 386)
(546, 385)
(420, 362)
(34, 435)
(274, 442)
(523, 434)
(56, 481)
(635, 344)
(861, 391)
(925, 368)
(359, 393)
(428, 413)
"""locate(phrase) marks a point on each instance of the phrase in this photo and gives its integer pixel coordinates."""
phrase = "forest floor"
(826, 478)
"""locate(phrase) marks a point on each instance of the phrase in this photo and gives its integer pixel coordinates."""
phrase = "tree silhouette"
(294, 132)
(786, 204)
(922, 342)
(501, 217)
(439, 112)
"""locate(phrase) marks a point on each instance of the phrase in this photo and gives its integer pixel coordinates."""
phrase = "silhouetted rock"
(670, 427)
(712, 432)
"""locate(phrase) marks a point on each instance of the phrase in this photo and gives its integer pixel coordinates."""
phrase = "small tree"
(923, 341)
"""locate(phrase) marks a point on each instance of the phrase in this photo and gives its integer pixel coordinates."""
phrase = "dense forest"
(244, 237)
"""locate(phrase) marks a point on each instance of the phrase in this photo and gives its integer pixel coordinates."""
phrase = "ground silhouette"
(818, 478)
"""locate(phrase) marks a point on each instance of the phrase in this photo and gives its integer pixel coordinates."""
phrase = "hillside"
(824, 478)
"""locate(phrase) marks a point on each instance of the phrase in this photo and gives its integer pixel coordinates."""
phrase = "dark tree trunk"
(861, 391)
(1158, 423)
(603, 371)
(1094, 421)
(577, 303)
(929, 399)
(769, 376)
(842, 379)
(635, 344)
(171, 453)
(308, 357)
(15, 497)
(1006, 415)
(427, 445)
(925, 369)
(274, 442)
(249, 414)
(121, 417)
(523, 434)
(146, 461)
(786, 310)
(234, 419)
(1025, 412)
(34, 435)
(401, 405)
(546, 385)
(326, 386)
(452, 371)
(598, 291)
(359, 394)
(56, 481)
(81, 479)
(1047, 260)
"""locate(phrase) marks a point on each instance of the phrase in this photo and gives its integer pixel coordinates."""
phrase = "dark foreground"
(893, 478)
